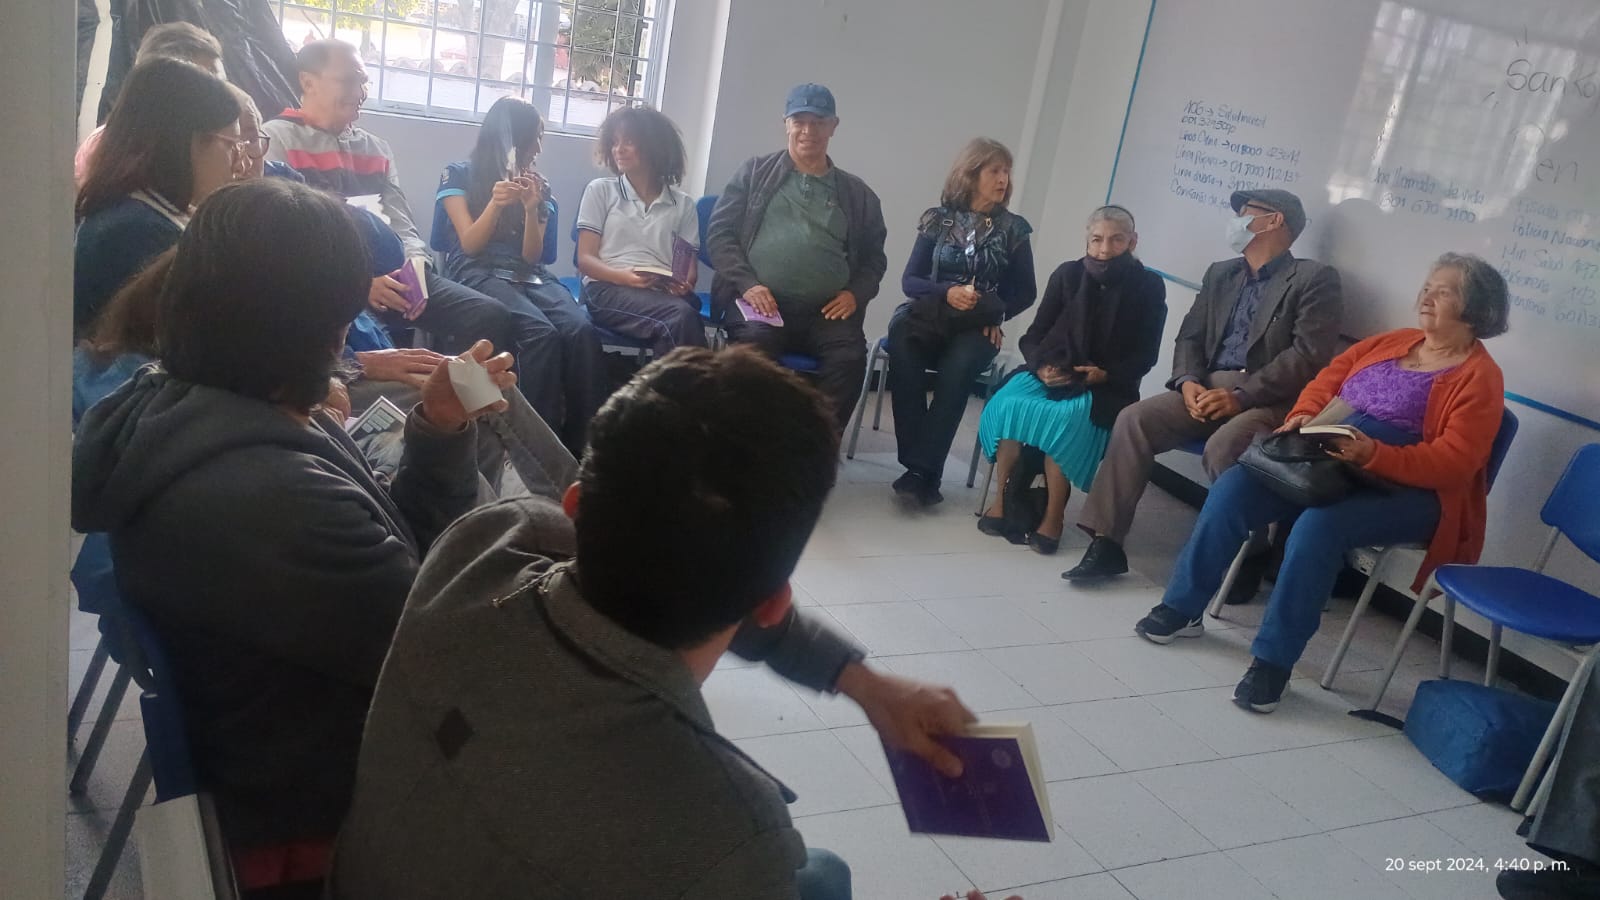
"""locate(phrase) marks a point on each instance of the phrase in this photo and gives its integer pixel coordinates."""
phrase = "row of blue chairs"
(640, 349)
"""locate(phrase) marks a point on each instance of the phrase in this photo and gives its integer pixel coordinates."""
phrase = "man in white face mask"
(1263, 324)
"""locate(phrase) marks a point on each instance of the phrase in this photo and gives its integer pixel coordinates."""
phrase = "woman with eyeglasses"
(638, 234)
(171, 140)
(1097, 333)
(971, 268)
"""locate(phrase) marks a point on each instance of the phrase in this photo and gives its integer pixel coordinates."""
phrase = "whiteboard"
(1407, 129)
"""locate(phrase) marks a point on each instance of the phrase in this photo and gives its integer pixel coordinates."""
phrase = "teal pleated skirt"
(1022, 411)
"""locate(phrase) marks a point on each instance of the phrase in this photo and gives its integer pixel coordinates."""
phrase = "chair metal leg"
(1362, 602)
(861, 404)
(883, 385)
(1492, 665)
(1221, 596)
(1558, 724)
(1447, 636)
(97, 736)
(121, 827)
(91, 680)
(1417, 609)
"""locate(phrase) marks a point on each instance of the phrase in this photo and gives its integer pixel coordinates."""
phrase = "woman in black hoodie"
(246, 526)
(1097, 333)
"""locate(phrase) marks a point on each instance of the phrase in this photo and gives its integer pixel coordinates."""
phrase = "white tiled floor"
(1160, 787)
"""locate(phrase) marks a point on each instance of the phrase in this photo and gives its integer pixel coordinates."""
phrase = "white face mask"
(1239, 233)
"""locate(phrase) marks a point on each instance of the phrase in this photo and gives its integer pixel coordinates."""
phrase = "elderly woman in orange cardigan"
(1426, 403)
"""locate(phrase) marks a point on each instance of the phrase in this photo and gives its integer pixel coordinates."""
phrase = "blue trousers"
(924, 432)
(824, 876)
(1238, 504)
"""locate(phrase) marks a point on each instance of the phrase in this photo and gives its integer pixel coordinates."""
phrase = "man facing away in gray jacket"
(539, 729)
(1262, 326)
(797, 244)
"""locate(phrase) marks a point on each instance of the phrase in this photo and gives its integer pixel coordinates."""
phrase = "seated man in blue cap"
(797, 245)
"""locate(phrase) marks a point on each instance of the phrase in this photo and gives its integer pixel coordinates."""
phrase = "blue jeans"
(824, 877)
(1238, 504)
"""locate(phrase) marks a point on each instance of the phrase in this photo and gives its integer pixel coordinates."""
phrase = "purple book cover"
(683, 256)
(752, 315)
(993, 798)
(416, 286)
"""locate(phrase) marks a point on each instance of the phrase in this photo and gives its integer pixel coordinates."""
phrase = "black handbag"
(1298, 469)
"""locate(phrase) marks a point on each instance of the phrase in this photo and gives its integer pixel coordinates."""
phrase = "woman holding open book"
(638, 234)
(494, 219)
(1421, 408)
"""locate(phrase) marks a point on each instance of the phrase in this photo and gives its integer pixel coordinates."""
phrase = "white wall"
(1113, 32)
(37, 48)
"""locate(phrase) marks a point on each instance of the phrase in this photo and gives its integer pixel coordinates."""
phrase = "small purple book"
(413, 276)
(683, 257)
(751, 314)
(1001, 793)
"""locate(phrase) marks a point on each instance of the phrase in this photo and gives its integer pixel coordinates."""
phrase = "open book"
(414, 276)
(379, 433)
(1000, 794)
(683, 257)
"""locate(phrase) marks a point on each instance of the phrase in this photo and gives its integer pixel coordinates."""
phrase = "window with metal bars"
(576, 60)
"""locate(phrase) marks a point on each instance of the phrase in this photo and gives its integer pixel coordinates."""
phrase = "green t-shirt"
(799, 250)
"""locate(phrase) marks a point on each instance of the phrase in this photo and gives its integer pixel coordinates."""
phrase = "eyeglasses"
(257, 146)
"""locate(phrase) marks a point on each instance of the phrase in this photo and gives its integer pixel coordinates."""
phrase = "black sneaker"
(1165, 625)
(928, 494)
(1103, 559)
(1261, 687)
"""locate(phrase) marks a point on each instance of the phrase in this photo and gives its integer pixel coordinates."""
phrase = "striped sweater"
(351, 163)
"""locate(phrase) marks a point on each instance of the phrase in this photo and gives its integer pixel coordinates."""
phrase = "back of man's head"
(703, 480)
(314, 57)
(181, 40)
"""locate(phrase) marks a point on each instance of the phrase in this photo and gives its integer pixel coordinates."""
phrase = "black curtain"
(254, 53)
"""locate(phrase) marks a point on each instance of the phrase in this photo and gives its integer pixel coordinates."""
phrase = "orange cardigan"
(1463, 416)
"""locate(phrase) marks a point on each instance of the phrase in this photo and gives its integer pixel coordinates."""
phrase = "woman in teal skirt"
(1097, 333)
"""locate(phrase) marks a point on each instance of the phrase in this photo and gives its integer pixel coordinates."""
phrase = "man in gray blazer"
(1262, 326)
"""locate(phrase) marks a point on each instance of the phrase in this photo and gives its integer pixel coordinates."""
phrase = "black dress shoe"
(993, 526)
(1568, 883)
(928, 494)
(908, 484)
(1103, 559)
(1043, 545)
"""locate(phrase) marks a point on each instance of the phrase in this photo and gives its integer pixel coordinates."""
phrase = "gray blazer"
(1294, 335)
(738, 216)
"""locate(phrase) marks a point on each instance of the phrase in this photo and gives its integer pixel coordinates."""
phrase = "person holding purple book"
(632, 225)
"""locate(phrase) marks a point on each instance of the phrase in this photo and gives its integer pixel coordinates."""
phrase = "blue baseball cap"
(809, 98)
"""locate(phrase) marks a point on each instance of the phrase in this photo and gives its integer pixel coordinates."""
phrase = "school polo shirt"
(631, 233)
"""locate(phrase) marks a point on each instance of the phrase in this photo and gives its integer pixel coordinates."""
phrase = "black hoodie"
(274, 564)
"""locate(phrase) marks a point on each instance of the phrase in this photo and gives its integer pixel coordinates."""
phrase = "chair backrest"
(1502, 444)
(702, 209)
(1571, 508)
(164, 733)
(444, 240)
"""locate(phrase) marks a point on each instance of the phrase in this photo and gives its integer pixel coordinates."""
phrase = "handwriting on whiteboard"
(1219, 151)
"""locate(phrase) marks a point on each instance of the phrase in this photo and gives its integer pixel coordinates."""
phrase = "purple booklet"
(1001, 793)
(683, 257)
(752, 315)
(415, 279)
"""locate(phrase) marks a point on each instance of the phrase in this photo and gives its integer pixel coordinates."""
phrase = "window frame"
(539, 44)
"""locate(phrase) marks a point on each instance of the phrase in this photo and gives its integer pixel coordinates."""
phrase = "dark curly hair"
(655, 136)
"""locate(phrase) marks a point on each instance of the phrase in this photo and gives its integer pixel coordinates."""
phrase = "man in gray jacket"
(1262, 326)
(538, 728)
(797, 245)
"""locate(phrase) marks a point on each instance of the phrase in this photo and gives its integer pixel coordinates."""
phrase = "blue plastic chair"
(166, 760)
(1533, 603)
(702, 209)
(1387, 557)
(96, 584)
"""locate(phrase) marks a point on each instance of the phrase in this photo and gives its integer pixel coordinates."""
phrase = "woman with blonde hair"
(971, 268)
